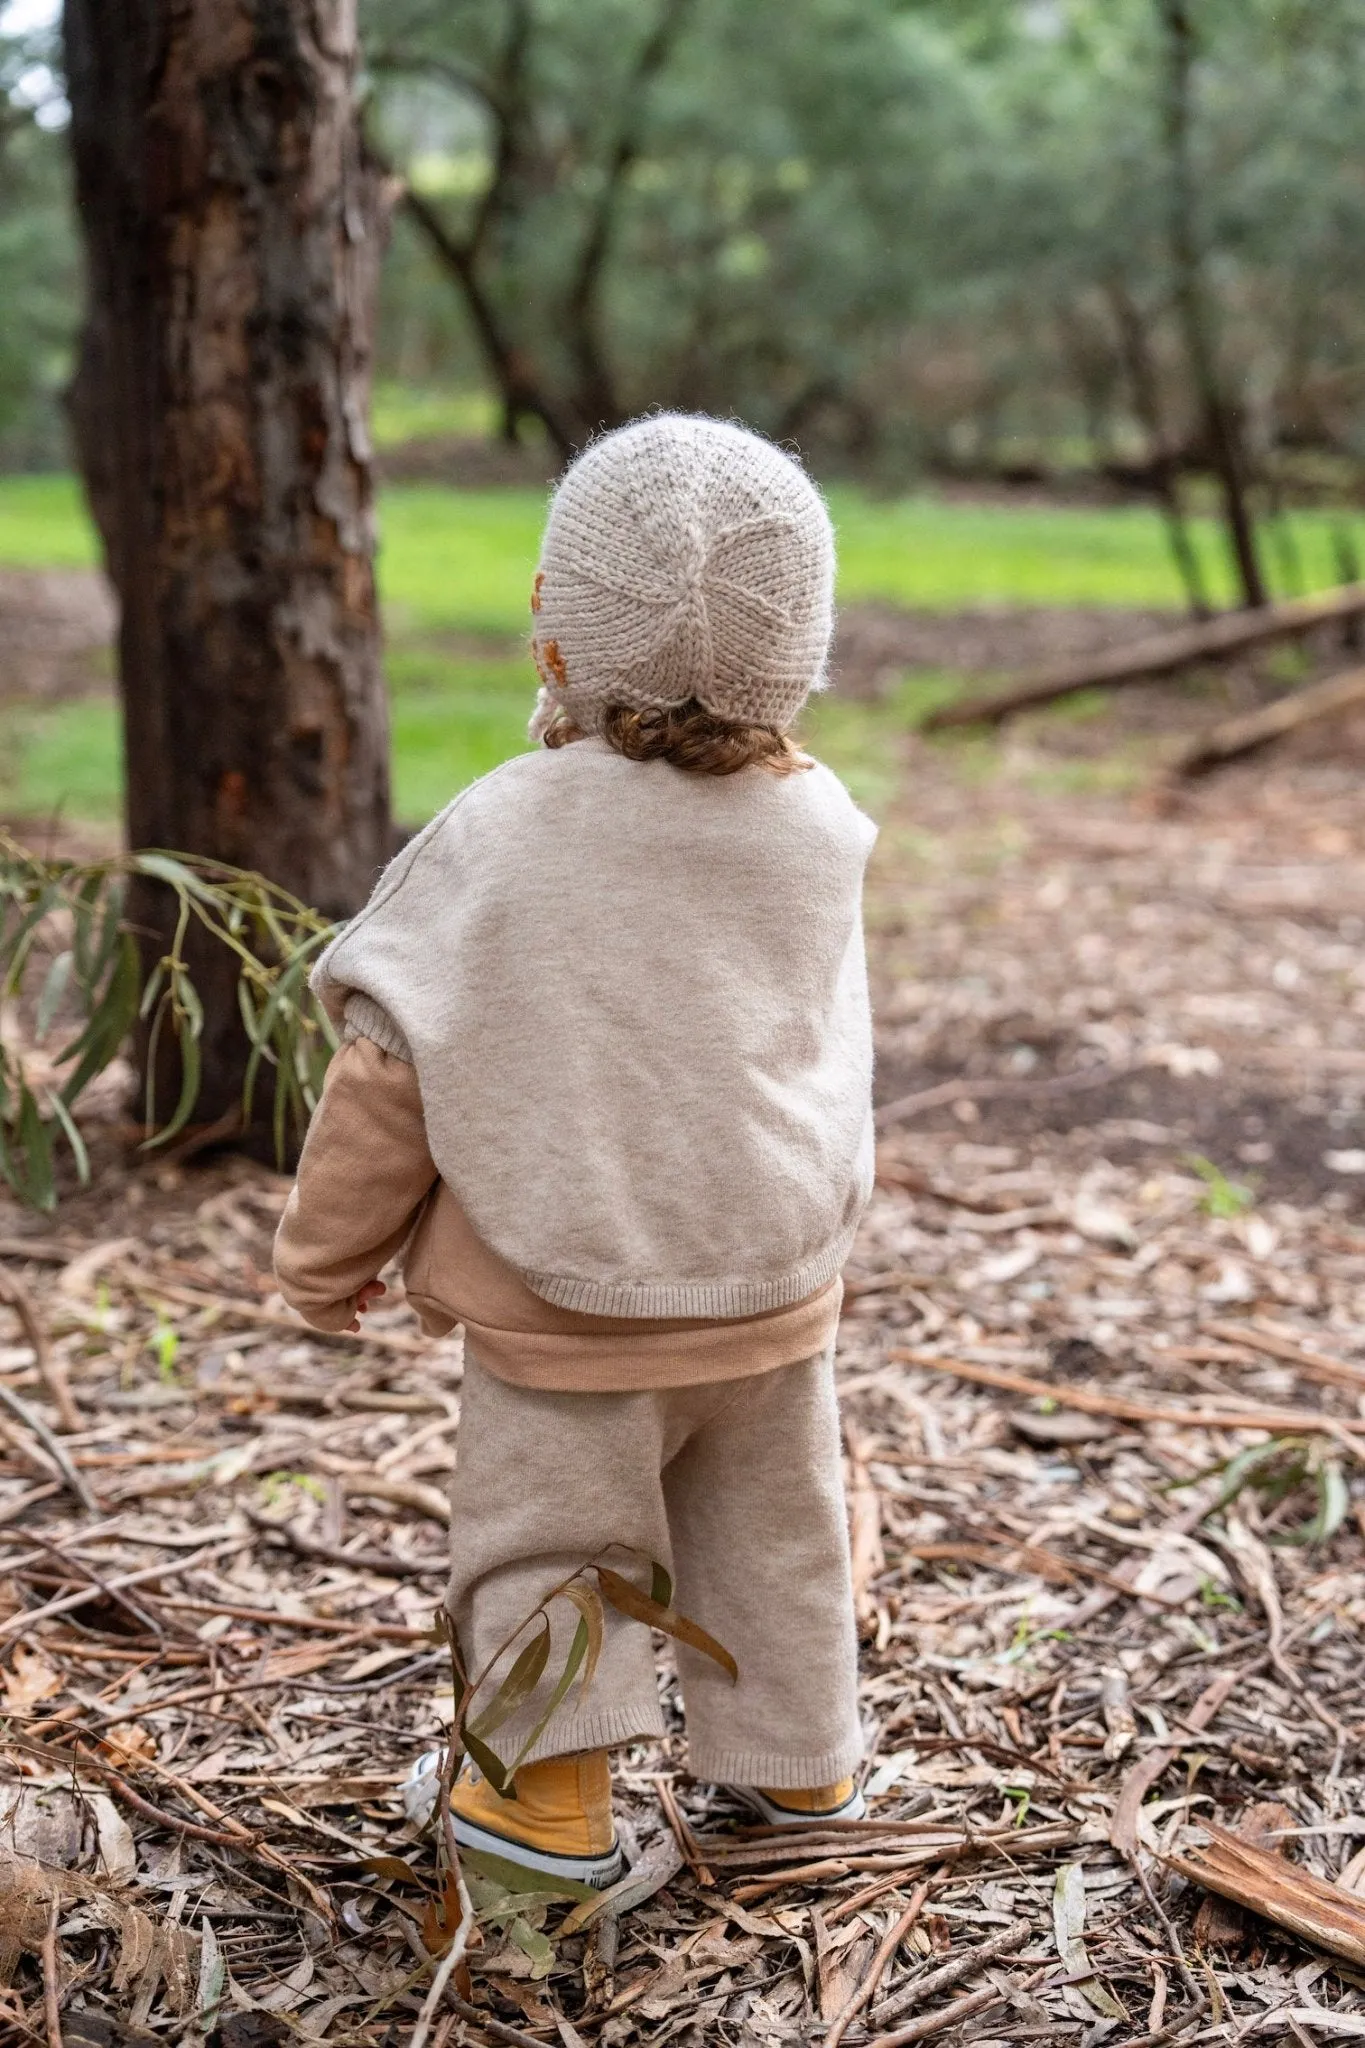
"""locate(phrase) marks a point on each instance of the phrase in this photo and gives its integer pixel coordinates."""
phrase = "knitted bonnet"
(683, 558)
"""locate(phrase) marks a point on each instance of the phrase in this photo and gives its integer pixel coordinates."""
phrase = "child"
(607, 1047)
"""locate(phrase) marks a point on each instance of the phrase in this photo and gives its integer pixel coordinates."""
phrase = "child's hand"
(371, 1291)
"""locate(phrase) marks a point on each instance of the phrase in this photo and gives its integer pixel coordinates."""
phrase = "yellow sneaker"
(807, 1807)
(559, 1824)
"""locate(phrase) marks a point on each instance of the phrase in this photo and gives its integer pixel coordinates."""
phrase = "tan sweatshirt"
(367, 1177)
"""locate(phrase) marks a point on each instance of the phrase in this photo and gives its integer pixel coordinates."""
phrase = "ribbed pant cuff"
(609, 1729)
(778, 1773)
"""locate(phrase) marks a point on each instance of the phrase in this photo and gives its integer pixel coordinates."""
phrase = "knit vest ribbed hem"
(365, 1018)
(701, 1298)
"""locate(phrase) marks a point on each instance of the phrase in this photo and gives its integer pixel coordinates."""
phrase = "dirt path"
(1128, 1160)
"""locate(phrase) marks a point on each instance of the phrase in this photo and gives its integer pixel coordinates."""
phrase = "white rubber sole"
(853, 1808)
(419, 1801)
(597, 1871)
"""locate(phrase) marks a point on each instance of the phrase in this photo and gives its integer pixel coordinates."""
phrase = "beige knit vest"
(637, 1004)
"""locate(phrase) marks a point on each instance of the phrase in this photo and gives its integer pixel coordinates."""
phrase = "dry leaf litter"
(1122, 1054)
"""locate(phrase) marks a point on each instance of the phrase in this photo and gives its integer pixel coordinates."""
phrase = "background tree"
(39, 264)
(233, 229)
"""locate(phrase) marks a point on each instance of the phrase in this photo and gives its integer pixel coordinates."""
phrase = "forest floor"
(1121, 1071)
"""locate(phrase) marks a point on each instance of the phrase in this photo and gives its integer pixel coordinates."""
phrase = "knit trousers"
(736, 1487)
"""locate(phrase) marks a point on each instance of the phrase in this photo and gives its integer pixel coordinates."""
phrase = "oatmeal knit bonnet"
(683, 558)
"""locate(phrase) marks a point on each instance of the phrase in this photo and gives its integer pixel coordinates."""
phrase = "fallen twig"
(1317, 1365)
(380, 1631)
(498, 2029)
(15, 1624)
(447, 1966)
(1300, 1421)
(50, 1369)
(382, 1561)
(233, 1309)
(56, 1451)
(682, 1833)
(952, 1973)
(865, 1992)
(993, 1089)
(52, 1990)
(403, 1493)
(193, 1829)
(1032, 1557)
(938, 2022)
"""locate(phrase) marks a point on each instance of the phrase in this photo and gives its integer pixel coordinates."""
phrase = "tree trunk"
(233, 230)
(1218, 416)
(1144, 386)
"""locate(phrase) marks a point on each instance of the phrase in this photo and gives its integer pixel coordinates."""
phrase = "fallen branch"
(1301, 1421)
(998, 1554)
(446, 1968)
(379, 1631)
(1234, 737)
(195, 1831)
(1158, 654)
(52, 1992)
(1219, 1923)
(402, 1493)
(1279, 1891)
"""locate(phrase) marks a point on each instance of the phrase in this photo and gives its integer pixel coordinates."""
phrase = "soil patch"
(876, 643)
(56, 630)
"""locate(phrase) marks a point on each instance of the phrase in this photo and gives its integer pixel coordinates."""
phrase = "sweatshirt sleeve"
(364, 1173)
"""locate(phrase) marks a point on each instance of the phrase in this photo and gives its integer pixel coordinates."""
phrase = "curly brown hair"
(688, 736)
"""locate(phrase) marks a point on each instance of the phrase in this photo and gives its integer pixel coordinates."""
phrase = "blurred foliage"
(904, 232)
(39, 271)
(908, 232)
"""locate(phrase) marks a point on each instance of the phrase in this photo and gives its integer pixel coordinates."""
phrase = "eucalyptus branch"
(71, 963)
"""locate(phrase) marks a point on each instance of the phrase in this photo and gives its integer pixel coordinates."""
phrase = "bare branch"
(596, 398)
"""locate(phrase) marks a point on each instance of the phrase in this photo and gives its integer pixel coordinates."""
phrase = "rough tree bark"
(1217, 413)
(233, 230)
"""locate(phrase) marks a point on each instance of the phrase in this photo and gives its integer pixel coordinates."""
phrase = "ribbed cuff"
(365, 1018)
(719, 1299)
(776, 1773)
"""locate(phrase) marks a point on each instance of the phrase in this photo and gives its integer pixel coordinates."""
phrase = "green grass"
(44, 525)
(455, 572)
(61, 761)
(452, 721)
(406, 412)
